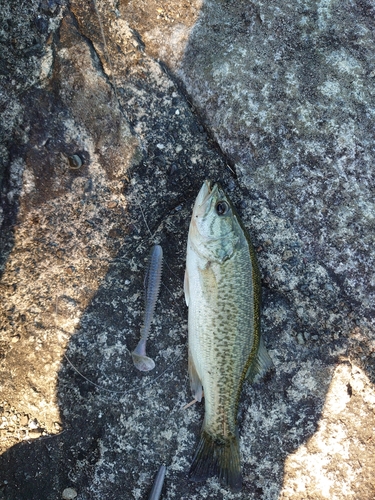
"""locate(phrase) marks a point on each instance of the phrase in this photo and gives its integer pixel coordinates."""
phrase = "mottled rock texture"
(112, 115)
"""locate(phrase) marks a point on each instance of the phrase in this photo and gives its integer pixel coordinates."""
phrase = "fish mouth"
(207, 187)
(206, 192)
(206, 196)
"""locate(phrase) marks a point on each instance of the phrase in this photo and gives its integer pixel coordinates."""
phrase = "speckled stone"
(289, 94)
(69, 494)
(276, 101)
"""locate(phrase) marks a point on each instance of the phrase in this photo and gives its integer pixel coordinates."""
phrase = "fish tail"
(217, 457)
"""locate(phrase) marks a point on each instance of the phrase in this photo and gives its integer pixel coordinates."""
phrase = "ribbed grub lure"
(152, 285)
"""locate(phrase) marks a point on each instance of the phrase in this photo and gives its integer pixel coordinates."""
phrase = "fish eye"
(222, 207)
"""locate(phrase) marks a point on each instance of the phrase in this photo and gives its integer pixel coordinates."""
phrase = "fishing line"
(145, 221)
(128, 391)
(140, 386)
(109, 61)
(152, 235)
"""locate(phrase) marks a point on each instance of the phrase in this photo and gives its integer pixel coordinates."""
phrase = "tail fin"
(217, 457)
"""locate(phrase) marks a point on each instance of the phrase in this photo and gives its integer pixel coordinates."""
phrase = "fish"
(223, 294)
(152, 286)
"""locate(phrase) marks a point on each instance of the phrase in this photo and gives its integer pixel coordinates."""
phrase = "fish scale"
(234, 314)
(222, 291)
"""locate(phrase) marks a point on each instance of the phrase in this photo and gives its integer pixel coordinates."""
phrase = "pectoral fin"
(261, 365)
(186, 288)
(195, 382)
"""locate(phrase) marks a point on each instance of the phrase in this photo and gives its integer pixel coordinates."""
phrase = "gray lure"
(152, 285)
(158, 484)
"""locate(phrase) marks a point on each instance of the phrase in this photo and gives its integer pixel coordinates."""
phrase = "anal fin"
(261, 365)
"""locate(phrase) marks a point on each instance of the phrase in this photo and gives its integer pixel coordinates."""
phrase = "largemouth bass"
(222, 291)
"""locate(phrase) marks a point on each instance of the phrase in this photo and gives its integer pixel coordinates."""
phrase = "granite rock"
(113, 113)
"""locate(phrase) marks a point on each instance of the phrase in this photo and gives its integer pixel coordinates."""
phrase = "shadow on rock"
(310, 419)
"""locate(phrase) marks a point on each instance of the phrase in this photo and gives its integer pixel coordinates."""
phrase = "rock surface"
(113, 113)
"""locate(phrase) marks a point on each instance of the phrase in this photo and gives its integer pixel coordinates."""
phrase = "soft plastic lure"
(158, 484)
(152, 286)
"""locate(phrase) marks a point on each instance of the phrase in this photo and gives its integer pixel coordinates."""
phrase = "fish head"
(214, 229)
